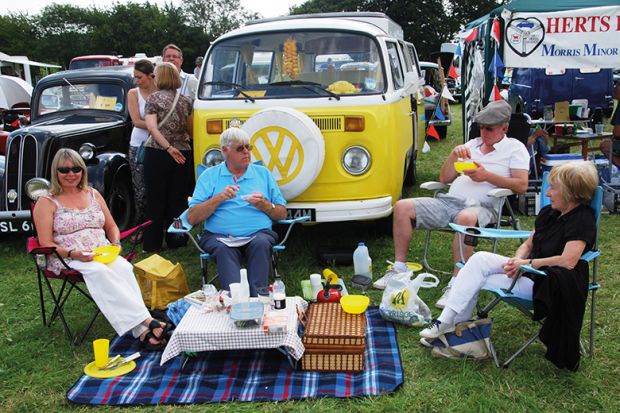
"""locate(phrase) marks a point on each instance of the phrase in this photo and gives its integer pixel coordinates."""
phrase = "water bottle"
(245, 285)
(279, 294)
(362, 263)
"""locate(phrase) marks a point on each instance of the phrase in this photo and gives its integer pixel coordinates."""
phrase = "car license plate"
(292, 213)
(16, 226)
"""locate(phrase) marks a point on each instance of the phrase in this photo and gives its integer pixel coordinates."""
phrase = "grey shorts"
(439, 212)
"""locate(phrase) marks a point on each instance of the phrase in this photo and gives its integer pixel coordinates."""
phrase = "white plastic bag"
(400, 302)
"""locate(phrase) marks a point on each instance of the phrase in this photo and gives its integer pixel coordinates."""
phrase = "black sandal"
(145, 342)
(165, 327)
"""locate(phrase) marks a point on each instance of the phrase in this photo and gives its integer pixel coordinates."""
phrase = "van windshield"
(293, 64)
(72, 96)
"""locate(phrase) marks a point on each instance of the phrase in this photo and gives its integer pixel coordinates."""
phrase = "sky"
(268, 8)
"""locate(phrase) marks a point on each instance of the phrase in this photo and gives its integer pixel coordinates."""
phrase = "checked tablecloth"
(214, 331)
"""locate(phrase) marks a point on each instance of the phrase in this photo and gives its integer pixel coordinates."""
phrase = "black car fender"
(105, 169)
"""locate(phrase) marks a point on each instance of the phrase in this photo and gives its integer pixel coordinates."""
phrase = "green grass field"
(38, 366)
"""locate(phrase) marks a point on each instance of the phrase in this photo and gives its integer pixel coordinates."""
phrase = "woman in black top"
(563, 231)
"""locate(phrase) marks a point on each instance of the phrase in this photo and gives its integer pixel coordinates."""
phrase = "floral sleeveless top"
(79, 229)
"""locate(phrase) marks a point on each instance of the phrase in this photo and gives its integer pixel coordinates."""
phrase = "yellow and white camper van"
(329, 103)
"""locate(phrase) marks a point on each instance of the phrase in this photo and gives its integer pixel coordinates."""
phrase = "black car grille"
(22, 157)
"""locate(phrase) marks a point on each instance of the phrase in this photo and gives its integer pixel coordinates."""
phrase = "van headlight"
(356, 160)
(87, 151)
(37, 187)
(212, 157)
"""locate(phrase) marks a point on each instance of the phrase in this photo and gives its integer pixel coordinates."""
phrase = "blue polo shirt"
(237, 216)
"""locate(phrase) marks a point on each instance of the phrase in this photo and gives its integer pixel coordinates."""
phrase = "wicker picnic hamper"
(334, 340)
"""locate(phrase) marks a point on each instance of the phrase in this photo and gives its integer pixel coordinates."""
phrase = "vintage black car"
(85, 110)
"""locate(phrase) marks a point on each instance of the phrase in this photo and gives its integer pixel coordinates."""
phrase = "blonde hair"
(66, 154)
(577, 180)
(167, 76)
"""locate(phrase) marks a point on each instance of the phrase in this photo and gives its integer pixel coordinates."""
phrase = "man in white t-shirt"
(173, 54)
(501, 162)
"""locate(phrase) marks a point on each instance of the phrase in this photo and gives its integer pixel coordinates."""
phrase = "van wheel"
(120, 202)
(299, 142)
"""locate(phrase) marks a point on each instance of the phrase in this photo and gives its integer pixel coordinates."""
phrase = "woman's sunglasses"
(67, 169)
(247, 146)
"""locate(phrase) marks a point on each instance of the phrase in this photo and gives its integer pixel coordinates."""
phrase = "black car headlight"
(37, 187)
(87, 151)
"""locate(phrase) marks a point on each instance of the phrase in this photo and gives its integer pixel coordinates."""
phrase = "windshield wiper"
(306, 85)
(235, 87)
(75, 89)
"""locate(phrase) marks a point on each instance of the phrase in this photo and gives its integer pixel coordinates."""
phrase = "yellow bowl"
(463, 166)
(354, 304)
(106, 254)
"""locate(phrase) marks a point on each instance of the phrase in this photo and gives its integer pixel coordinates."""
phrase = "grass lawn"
(38, 366)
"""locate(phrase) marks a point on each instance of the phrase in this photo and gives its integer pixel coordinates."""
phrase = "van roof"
(375, 24)
(95, 56)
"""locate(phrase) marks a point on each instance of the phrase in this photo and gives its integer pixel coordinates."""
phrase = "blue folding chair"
(526, 305)
(182, 226)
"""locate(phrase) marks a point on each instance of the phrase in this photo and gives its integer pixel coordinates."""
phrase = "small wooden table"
(582, 139)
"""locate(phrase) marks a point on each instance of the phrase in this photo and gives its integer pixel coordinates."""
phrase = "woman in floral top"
(168, 159)
(75, 219)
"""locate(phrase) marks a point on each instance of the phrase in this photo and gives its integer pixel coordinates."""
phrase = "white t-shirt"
(509, 154)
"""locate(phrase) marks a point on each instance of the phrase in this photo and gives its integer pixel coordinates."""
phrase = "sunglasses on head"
(247, 146)
(67, 169)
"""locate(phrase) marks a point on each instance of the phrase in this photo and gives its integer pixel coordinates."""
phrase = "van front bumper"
(365, 209)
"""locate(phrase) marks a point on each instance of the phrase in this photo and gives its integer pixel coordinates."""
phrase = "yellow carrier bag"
(161, 281)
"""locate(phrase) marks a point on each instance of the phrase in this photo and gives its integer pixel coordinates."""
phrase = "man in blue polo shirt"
(238, 199)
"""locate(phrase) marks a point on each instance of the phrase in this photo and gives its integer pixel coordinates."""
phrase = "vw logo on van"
(280, 151)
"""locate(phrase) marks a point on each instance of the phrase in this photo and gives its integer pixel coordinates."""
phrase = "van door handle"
(578, 78)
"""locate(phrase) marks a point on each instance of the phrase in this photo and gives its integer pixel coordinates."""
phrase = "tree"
(216, 17)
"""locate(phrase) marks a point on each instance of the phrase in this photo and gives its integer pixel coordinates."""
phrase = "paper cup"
(235, 292)
(315, 281)
(101, 348)
(598, 128)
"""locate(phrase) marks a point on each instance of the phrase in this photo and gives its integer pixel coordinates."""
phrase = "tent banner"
(580, 38)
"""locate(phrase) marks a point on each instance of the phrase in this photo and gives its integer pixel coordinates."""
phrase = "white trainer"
(382, 282)
(443, 300)
(435, 329)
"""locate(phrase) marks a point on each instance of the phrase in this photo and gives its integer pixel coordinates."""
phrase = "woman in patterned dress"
(75, 219)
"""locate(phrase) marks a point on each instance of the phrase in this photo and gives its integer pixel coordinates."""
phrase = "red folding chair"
(70, 281)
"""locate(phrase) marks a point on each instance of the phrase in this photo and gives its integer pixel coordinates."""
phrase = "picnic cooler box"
(334, 340)
(553, 159)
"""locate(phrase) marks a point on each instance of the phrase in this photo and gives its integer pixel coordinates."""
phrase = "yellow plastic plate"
(462, 166)
(93, 371)
(106, 254)
(354, 304)
(411, 266)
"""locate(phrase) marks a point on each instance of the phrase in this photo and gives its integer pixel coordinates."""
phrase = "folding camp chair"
(71, 280)
(525, 305)
(518, 128)
(182, 226)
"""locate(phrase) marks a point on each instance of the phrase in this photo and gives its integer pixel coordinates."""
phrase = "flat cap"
(495, 113)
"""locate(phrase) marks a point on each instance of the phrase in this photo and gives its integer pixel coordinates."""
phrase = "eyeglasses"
(247, 146)
(172, 56)
(67, 169)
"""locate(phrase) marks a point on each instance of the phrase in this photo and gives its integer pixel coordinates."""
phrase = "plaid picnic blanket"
(261, 375)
